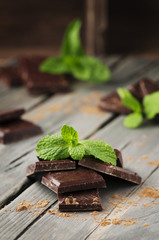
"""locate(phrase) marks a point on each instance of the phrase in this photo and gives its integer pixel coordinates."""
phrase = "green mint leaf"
(77, 152)
(52, 147)
(88, 69)
(71, 44)
(151, 105)
(128, 100)
(100, 150)
(69, 135)
(133, 120)
(54, 65)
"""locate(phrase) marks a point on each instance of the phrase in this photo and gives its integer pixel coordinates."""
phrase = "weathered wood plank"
(33, 194)
(141, 215)
(135, 150)
(74, 118)
(56, 227)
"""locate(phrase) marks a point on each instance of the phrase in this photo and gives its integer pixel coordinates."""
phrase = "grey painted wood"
(86, 124)
(58, 227)
(12, 222)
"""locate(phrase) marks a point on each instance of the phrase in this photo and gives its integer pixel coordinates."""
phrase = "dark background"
(27, 25)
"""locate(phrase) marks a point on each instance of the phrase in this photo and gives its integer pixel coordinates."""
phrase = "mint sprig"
(56, 147)
(73, 60)
(149, 107)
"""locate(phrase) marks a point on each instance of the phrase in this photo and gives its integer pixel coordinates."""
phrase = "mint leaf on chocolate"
(151, 105)
(77, 152)
(52, 147)
(128, 100)
(54, 65)
(133, 120)
(56, 147)
(70, 135)
(73, 59)
(100, 150)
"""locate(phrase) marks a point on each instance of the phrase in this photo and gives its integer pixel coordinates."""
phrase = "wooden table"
(78, 108)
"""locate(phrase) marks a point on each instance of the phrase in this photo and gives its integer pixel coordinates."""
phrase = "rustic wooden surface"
(79, 109)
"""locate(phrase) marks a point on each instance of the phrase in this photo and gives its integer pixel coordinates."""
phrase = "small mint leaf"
(128, 100)
(54, 65)
(100, 150)
(88, 69)
(151, 105)
(71, 44)
(52, 147)
(133, 120)
(77, 152)
(69, 135)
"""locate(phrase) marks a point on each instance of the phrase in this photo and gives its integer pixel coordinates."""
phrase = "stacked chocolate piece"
(140, 89)
(27, 73)
(77, 182)
(13, 128)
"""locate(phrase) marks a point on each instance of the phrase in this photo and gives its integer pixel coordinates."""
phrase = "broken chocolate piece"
(112, 103)
(109, 169)
(10, 76)
(16, 130)
(148, 86)
(135, 89)
(86, 200)
(48, 166)
(38, 82)
(11, 114)
(119, 158)
(73, 180)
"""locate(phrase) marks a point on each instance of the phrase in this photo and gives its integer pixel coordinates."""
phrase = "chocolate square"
(87, 200)
(16, 130)
(73, 180)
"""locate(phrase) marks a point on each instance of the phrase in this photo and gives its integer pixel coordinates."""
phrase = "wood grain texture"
(59, 227)
(78, 109)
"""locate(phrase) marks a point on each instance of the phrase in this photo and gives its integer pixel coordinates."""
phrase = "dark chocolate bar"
(86, 200)
(38, 82)
(109, 169)
(49, 166)
(112, 103)
(16, 130)
(10, 76)
(11, 114)
(73, 180)
(119, 158)
(148, 86)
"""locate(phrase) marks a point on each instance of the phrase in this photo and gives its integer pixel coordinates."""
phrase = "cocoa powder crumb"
(116, 196)
(105, 222)
(94, 213)
(155, 163)
(128, 222)
(65, 215)
(116, 221)
(144, 156)
(52, 211)
(146, 224)
(149, 192)
(146, 205)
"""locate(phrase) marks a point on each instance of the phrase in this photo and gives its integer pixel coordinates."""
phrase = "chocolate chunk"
(16, 130)
(38, 82)
(11, 114)
(86, 200)
(135, 89)
(119, 158)
(148, 86)
(73, 180)
(112, 103)
(47, 166)
(110, 169)
(10, 76)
